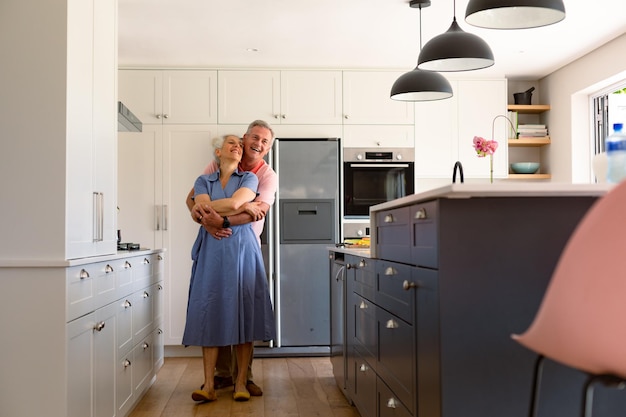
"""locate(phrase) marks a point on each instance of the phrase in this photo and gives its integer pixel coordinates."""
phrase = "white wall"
(568, 90)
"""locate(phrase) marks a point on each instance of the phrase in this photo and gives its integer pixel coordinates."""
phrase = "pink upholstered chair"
(581, 320)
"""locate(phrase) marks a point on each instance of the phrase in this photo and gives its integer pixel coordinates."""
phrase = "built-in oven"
(372, 176)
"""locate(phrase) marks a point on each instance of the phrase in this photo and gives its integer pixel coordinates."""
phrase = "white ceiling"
(345, 34)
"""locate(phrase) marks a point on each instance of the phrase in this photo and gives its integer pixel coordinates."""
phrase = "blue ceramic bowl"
(525, 167)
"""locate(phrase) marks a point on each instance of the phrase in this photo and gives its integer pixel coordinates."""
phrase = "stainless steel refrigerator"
(303, 222)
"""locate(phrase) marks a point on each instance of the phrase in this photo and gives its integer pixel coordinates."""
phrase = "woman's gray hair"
(263, 124)
(218, 142)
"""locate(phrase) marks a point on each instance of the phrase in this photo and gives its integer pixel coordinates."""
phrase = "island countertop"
(503, 189)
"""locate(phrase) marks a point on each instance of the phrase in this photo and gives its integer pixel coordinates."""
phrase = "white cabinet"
(366, 99)
(279, 97)
(170, 96)
(444, 130)
(375, 136)
(161, 164)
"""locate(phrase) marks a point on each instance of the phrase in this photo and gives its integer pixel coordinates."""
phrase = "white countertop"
(63, 263)
(497, 190)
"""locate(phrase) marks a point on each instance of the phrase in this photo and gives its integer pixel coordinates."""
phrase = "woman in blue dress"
(229, 301)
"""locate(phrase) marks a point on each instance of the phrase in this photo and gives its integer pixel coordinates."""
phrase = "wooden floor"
(292, 387)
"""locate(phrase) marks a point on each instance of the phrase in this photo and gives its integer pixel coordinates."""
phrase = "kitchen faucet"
(459, 167)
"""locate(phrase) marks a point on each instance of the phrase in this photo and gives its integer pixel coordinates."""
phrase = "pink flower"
(484, 147)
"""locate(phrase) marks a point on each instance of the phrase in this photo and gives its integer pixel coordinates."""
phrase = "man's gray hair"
(261, 123)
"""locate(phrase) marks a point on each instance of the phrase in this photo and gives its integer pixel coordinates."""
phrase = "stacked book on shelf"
(532, 130)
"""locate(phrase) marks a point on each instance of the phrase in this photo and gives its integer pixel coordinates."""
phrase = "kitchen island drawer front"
(393, 235)
(364, 277)
(396, 356)
(364, 386)
(388, 404)
(424, 223)
(365, 328)
(395, 290)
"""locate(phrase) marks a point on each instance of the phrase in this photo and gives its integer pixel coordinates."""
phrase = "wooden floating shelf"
(527, 141)
(529, 108)
(530, 176)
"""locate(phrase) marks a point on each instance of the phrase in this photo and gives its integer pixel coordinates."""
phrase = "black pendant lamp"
(514, 14)
(455, 50)
(419, 85)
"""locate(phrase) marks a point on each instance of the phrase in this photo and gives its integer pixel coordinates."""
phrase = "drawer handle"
(421, 214)
(126, 363)
(84, 274)
(391, 324)
(159, 331)
(145, 294)
(159, 257)
(145, 346)
(407, 285)
(127, 265)
(363, 305)
(391, 271)
(99, 326)
(388, 219)
(146, 261)
(108, 269)
(363, 368)
(392, 403)
(159, 287)
(127, 304)
(362, 263)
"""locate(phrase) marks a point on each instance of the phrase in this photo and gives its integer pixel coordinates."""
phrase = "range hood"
(126, 120)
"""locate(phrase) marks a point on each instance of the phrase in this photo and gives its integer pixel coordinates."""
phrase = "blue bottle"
(616, 154)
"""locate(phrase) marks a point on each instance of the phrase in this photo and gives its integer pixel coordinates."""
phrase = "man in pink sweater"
(257, 141)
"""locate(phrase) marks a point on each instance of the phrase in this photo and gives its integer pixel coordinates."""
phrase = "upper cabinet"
(444, 130)
(366, 99)
(279, 97)
(170, 96)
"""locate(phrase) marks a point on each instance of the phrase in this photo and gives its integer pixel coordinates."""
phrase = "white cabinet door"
(140, 187)
(366, 99)
(170, 97)
(80, 371)
(244, 96)
(310, 97)
(104, 364)
(187, 152)
(279, 97)
(444, 130)
(91, 196)
(375, 136)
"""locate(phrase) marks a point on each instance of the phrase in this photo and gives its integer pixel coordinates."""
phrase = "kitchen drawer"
(365, 328)
(396, 356)
(364, 386)
(143, 304)
(388, 404)
(124, 276)
(395, 290)
(364, 277)
(142, 365)
(142, 271)
(124, 325)
(424, 248)
(393, 235)
(124, 384)
(80, 291)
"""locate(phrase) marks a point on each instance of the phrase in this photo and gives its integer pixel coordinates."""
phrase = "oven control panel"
(378, 154)
(356, 230)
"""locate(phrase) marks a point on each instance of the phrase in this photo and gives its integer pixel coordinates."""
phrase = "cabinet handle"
(108, 269)
(276, 116)
(406, 285)
(346, 117)
(145, 294)
(166, 116)
(421, 214)
(362, 264)
(363, 305)
(159, 257)
(391, 324)
(165, 215)
(146, 260)
(127, 304)
(159, 287)
(126, 363)
(145, 346)
(284, 116)
(363, 368)
(159, 331)
(348, 266)
(392, 403)
(98, 216)
(84, 274)
(388, 218)
(99, 326)
(158, 116)
(391, 271)
(157, 218)
(127, 265)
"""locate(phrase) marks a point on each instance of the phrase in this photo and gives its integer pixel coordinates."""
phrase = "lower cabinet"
(115, 350)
